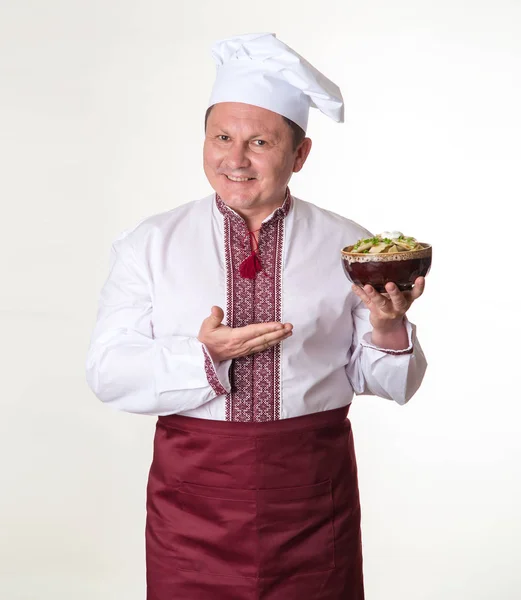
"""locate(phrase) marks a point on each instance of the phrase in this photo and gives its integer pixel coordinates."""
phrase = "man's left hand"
(388, 310)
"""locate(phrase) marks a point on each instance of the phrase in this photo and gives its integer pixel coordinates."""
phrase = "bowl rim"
(348, 253)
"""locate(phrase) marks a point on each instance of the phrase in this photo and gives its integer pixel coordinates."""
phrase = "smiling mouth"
(239, 179)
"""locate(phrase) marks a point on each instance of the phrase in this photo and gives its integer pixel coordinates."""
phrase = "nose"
(237, 156)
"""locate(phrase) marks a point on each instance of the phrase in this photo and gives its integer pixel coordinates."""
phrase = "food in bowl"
(387, 257)
(388, 242)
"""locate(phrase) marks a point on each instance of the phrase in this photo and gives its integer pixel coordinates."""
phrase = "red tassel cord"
(250, 266)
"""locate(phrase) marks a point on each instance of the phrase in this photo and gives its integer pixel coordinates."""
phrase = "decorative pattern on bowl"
(385, 257)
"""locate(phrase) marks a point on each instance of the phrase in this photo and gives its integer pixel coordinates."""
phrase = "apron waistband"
(318, 420)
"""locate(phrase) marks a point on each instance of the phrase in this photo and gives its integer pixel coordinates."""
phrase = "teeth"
(238, 178)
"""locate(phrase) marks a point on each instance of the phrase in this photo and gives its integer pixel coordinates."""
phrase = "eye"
(223, 138)
(259, 142)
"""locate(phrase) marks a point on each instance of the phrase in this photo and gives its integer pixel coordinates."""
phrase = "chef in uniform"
(231, 320)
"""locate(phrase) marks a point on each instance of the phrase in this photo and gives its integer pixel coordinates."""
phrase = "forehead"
(246, 116)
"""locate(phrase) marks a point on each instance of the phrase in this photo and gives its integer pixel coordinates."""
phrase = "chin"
(238, 197)
(238, 201)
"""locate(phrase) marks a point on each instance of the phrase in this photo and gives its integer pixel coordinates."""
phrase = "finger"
(365, 294)
(266, 344)
(398, 300)
(268, 338)
(216, 315)
(418, 289)
(359, 291)
(250, 332)
(381, 302)
(213, 321)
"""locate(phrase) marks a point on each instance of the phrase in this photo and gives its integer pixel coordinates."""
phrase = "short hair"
(298, 133)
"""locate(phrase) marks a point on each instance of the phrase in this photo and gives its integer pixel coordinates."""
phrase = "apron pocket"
(215, 530)
(296, 530)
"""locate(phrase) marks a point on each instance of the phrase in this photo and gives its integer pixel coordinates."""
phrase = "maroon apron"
(254, 511)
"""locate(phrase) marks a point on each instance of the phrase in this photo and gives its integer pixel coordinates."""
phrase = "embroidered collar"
(279, 213)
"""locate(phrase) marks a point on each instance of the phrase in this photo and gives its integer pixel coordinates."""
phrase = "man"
(231, 320)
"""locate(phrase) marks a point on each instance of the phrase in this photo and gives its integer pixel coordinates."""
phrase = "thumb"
(216, 316)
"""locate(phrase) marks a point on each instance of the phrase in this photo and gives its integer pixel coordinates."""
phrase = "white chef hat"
(259, 69)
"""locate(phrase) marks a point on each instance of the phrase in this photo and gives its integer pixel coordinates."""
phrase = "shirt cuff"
(217, 373)
(366, 341)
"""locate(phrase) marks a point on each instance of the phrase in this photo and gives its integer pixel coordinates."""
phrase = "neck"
(255, 216)
(254, 224)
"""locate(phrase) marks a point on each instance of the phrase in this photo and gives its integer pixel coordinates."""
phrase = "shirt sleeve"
(132, 370)
(392, 374)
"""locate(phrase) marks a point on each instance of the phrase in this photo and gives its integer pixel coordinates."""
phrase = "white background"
(101, 125)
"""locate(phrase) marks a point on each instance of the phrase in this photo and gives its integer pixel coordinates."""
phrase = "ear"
(302, 153)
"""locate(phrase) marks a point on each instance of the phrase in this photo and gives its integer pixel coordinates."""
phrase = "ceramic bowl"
(402, 268)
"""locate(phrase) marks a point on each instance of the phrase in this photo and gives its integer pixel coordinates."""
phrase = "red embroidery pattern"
(255, 379)
(211, 375)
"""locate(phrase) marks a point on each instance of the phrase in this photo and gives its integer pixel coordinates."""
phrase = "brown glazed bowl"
(402, 268)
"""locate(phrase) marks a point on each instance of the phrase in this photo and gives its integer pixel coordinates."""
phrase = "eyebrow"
(255, 135)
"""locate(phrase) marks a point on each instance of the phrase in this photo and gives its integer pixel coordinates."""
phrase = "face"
(249, 157)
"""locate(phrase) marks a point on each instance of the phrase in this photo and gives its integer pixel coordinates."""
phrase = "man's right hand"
(224, 343)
